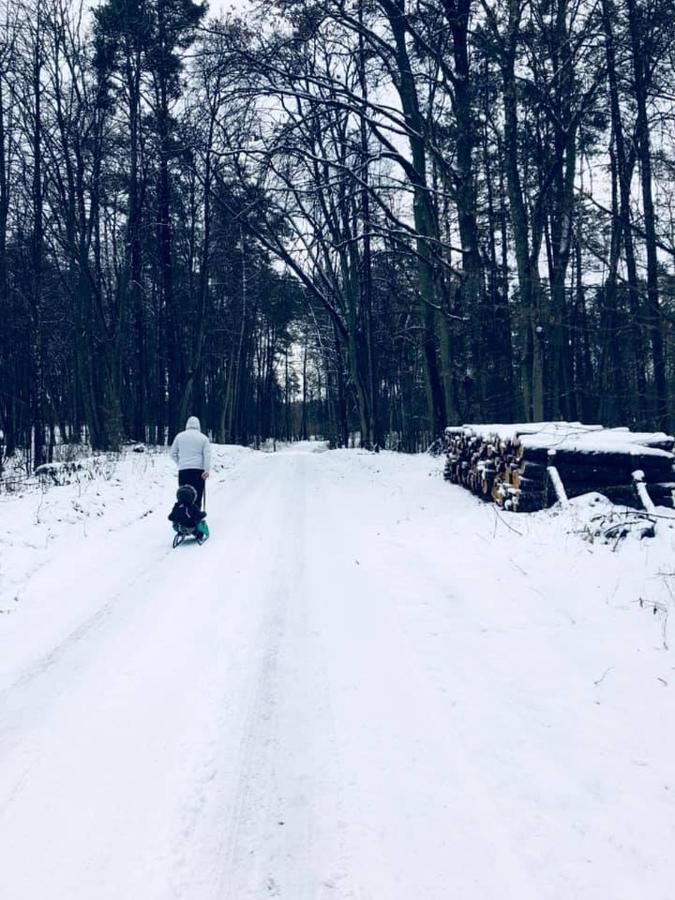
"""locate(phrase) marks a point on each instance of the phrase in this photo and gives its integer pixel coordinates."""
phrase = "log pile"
(513, 465)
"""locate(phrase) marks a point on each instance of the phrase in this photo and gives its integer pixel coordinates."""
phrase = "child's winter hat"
(186, 494)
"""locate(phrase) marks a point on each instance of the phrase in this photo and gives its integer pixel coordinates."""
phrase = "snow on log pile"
(523, 467)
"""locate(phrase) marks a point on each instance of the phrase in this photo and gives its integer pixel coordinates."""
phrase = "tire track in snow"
(109, 605)
(283, 835)
(251, 802)
(43, 692)
(90, 624)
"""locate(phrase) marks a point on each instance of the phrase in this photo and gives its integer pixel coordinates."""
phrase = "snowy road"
(364, 686)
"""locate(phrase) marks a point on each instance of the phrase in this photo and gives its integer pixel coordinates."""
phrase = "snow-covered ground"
(365, 685)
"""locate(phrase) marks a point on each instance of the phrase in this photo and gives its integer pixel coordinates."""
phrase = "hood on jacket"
(193, 422)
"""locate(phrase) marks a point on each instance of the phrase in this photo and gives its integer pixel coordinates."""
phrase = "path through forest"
(366, 685)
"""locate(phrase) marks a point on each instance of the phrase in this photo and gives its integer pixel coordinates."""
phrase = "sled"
(199, 535)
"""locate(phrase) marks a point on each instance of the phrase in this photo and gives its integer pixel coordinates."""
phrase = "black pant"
(193, 477)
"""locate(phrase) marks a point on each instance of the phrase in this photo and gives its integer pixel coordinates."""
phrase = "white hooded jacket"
(191, 449)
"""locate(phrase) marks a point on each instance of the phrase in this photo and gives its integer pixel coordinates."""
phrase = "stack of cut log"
(513, 465)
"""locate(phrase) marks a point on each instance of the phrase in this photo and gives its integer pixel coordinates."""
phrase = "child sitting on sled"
(187, 517)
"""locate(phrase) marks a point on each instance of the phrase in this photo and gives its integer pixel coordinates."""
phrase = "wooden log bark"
(511, 471)
(596, 457)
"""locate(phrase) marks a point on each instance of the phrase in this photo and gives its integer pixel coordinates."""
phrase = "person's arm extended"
(207, 458)
(173, 452)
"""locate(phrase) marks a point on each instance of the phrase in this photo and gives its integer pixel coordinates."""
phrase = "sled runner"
(200, 533)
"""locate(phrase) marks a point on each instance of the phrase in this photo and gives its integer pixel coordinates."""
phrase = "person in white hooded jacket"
(191, 451)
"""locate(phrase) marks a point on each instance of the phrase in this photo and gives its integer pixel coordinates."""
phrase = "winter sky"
(228, 6)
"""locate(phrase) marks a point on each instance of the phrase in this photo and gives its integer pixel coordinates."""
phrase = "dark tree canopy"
(358, 220)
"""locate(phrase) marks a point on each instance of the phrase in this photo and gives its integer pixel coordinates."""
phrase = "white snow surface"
(506, 431)
(631, 444)
(367, 684)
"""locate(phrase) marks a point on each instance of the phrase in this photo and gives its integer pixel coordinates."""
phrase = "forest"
(360, 220)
